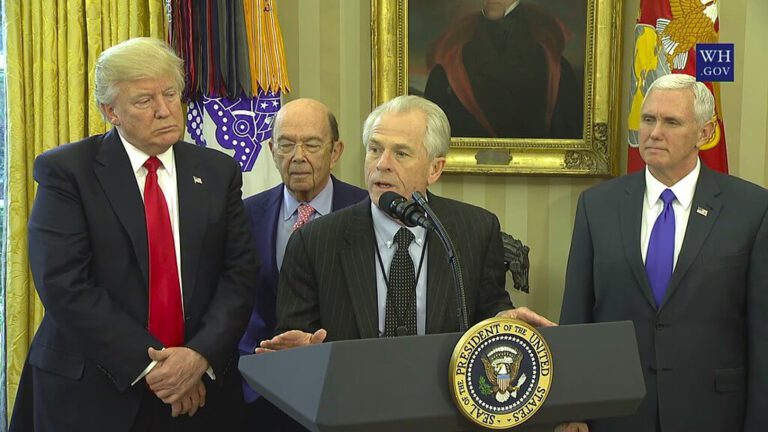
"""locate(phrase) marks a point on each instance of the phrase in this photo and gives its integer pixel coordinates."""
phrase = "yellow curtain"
(52, 48)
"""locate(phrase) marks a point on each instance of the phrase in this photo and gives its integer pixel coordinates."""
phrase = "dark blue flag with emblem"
(240, 125)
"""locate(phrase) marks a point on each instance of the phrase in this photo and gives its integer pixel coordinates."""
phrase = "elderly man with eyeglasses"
(305, 146)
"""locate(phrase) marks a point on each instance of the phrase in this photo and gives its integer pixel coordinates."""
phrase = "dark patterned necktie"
(400, 310)
(659, 259)
(166, 321)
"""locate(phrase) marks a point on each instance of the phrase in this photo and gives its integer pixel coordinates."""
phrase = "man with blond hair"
(141, 255)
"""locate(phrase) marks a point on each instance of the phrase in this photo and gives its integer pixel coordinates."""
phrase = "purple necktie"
(661, 249)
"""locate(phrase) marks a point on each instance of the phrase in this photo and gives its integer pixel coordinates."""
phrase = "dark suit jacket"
(328, 278)
(88, 255)
(703, 351)
(263, 212)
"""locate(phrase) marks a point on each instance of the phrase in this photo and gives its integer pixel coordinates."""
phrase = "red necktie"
(305, 212)
(166, 320)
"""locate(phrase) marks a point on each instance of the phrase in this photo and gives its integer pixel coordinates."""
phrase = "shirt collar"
(386, 228)
(683, 189)
(322, 202)
(138, 157)
(509, 9)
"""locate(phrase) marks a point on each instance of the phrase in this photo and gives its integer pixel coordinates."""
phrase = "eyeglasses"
(286, 147)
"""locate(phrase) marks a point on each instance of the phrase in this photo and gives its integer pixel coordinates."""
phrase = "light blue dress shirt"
(288, 215)
(385, 229)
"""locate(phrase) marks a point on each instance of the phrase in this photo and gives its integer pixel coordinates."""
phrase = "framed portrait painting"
(529, 86)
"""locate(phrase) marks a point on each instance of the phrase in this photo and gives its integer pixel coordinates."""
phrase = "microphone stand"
(453, 261)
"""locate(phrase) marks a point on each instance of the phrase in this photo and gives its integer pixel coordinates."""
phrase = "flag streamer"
(235, 70)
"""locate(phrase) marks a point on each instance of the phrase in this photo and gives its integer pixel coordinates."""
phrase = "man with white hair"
(406, 140)
(338, 279)
(681, 251)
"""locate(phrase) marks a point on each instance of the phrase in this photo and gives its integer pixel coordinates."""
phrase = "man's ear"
(435, 169)
(273, 149)
(109, 114)
(336, 151)
(706, 133)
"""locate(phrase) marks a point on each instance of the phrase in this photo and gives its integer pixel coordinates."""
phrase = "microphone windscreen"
(387, 199)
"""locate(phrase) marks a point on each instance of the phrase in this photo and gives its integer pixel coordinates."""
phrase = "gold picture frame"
(596, 153)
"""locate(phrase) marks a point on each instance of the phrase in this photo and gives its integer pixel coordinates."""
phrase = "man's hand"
(291, 339)
(191, 402)
(572, 427)
(176, 374)
(527, 315)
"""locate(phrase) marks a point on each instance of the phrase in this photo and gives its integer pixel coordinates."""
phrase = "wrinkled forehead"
(400, 128)
(301, 123)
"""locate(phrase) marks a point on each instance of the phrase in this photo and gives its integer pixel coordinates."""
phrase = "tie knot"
(403, 238)
(305, 210)
(152, 164)
(668, 196)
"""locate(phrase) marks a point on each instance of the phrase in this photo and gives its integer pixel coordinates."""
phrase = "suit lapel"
(337, 198)
(193, 207)
(114, 172)
(269, 212)
(440, 295)
(631, 213)
(707, 196)
(357, 264)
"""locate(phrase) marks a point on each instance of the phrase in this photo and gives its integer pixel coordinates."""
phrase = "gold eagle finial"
(689, 25)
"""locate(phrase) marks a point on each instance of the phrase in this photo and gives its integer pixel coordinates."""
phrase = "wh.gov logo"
(501, 372)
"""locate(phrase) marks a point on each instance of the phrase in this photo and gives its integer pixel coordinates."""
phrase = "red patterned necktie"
(166, 320)
(305, 212)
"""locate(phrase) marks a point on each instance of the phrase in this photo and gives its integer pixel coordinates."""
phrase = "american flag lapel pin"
(197, 180)
(702, 211)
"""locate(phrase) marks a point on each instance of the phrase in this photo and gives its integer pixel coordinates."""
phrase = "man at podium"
(358, 273)
(346, 277)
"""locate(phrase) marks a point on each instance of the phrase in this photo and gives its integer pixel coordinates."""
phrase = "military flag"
(666, 35)
(235, 75)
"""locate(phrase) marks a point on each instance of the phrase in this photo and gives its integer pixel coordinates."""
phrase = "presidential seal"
(500, 373)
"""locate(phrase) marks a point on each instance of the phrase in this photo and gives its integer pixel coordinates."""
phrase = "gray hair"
(703, 101)
(135, 59)
(437, 137)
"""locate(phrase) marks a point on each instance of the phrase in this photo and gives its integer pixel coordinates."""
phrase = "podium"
(402, 384)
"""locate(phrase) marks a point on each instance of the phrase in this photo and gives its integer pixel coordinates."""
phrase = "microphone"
(453, 261)
(404, 210)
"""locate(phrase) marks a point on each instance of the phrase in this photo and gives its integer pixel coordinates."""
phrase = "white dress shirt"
(166, 179)
(653, 205)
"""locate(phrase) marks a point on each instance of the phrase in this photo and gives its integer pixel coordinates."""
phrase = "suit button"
(660, 326)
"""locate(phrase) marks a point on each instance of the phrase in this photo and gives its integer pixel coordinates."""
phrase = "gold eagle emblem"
(690, 24)
(501, 367)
